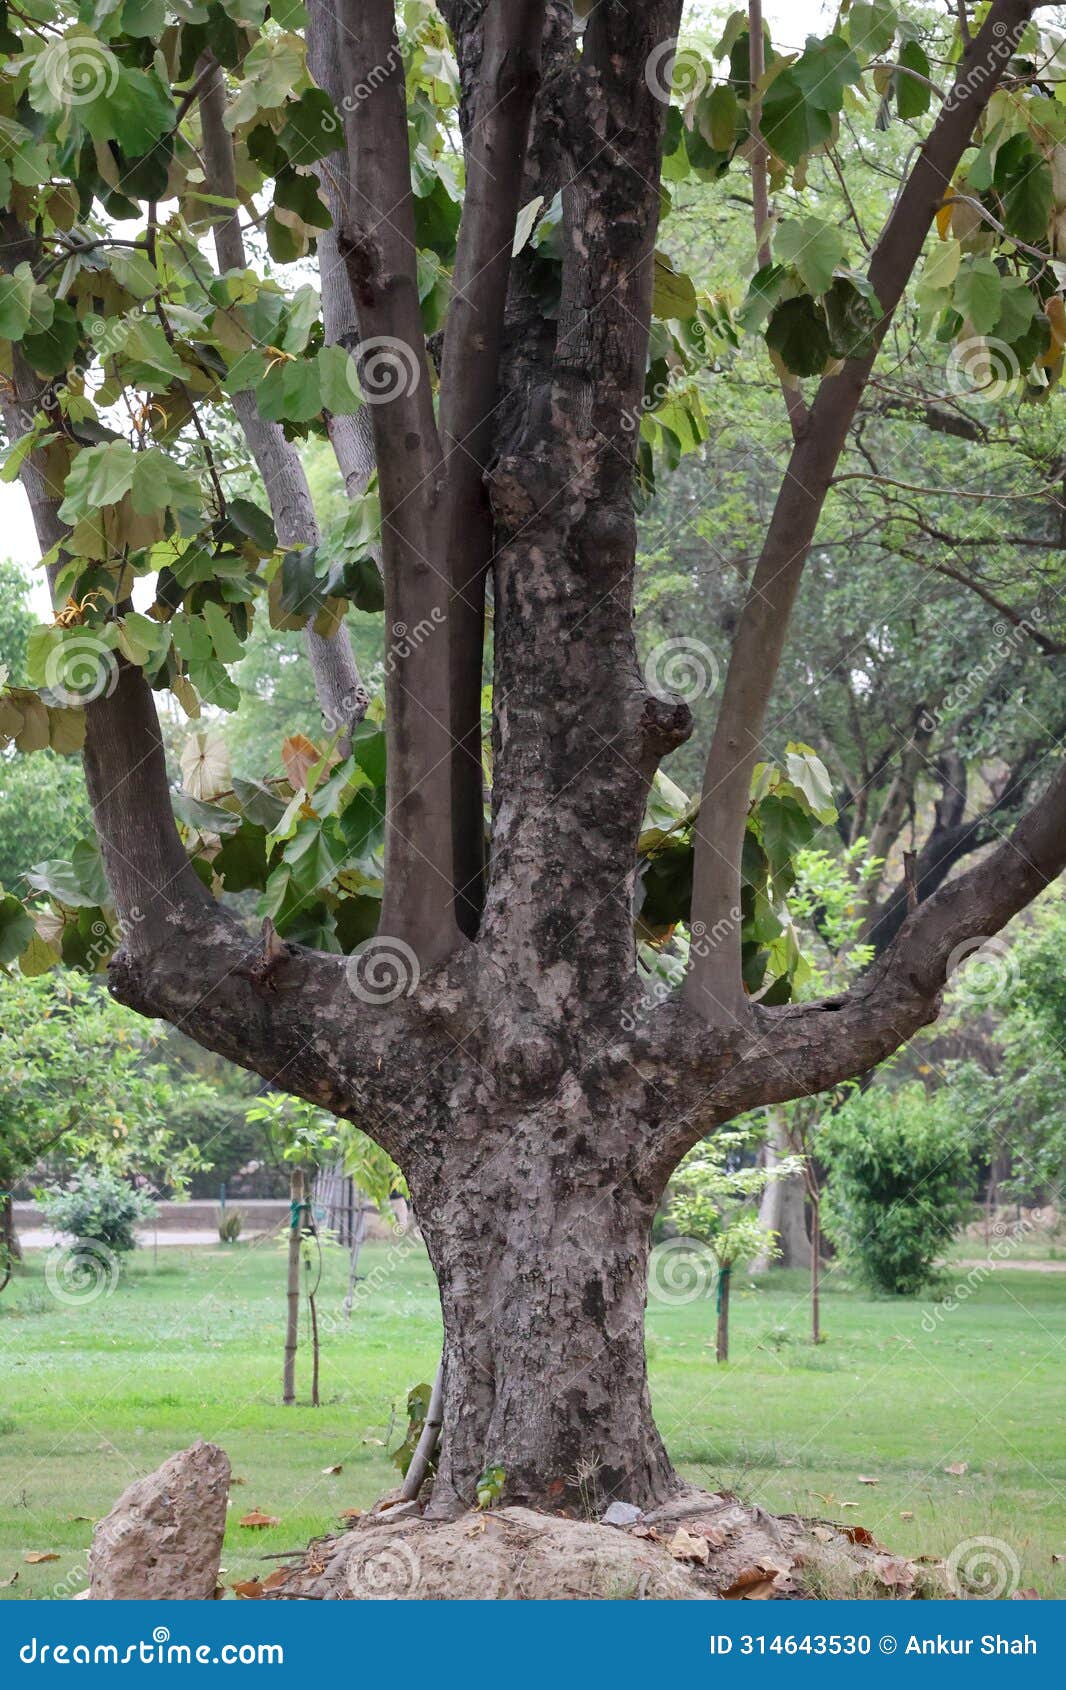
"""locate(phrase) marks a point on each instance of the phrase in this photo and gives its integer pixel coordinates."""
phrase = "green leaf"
(136, 111)
(16, 299)
(813, 248)
(979, 294)
(1024, 183)
(99, 475)
(16, 928)
(290, 392)
(674, 296)
(792, 127)
(797, 332)
(338, 381)
(872, 27)
(807, 771)
(228, 648)
(913, 93)
(312, 127)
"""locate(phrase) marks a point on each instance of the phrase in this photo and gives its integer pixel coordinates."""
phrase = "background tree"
(712, 1202)
(511, 1063)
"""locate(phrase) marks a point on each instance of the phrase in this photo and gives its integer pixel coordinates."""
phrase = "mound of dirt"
(698, 1548)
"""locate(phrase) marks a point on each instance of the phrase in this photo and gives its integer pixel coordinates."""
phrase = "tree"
(902, 1183)
(493, 1035)
(79, 1090)
(711, 1203)
(305, 1138)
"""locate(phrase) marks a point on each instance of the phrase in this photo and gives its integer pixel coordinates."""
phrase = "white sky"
(790, 21)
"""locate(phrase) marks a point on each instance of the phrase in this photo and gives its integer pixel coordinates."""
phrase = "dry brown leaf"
(906, 1514)
(865, 1479)
(646, 1531)
(35, 1556)
(957, 1469)
(248, 1590)
(329, 1471)
(714, 1533)
(759, 1590)
(257, 1520)
(749, 1580)
(299, 756)
(894, 1572)
(686, 1546)
(236, 1481)
(277, 1579)
(352, 1514)
(859, 1534)
(823, 1534)
(5, 1584)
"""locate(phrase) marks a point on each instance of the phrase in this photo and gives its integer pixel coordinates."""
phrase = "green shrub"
(230, 1222)
(98, 1204)
(901, 1183)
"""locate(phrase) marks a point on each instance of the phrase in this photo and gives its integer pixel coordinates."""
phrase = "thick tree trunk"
(782, 1209)
(543, 1297)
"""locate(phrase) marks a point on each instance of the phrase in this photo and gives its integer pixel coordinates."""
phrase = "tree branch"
(377, 243)
(714, 982)
(342, 697)
(495, 146)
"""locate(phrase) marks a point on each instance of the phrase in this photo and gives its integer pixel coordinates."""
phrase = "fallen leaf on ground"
(79, 1519)
(894, 1572)
(710, 1529)
(859, 1534)
(646, 1531)
(823, 1534)
(850, 1504)
(686, 1546)
(352, 1514)
(752, 1585)
(865, 1479)
(906, 1514)
(277, 1579)
(236, 1481)
(257, 1520)
(248, 1590)
(957, 1469)
(5, 1584)
(329, 1471)
(36, 1556)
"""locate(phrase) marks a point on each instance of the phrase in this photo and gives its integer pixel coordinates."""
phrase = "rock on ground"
(698, 1548)
(163, 1539)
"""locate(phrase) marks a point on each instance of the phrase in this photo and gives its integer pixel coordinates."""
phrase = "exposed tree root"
(699, 1547)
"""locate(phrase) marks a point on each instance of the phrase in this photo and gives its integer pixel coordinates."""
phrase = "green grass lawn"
(92, 1397)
